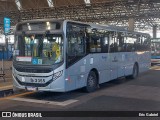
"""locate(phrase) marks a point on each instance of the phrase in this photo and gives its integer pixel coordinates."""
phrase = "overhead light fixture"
(50, 3)
(48, 25)
(88, 2)
(19, 6)
(29, 27)
(130, 1)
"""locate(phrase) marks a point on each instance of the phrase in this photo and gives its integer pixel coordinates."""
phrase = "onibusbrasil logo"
(19, 114)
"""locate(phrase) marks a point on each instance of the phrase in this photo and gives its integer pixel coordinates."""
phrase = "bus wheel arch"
(97, 74)
(136, 63)
(135, 71)
(92, 82)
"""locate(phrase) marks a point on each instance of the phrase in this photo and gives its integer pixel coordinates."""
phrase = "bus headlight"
(57, 74)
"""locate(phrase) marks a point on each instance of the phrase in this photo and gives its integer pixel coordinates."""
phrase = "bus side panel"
(130, 59)
(121, 64)
(76, 74)
(70, 81)
(58, 85)
(113, 66)
(101, 62)
(125, 63)
(144, 61)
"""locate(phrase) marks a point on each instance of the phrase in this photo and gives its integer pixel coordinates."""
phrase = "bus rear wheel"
(134, 73)
(92, 82)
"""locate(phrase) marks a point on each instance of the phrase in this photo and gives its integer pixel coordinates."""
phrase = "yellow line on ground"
(18, 95)
(6, 87)
(155, 67)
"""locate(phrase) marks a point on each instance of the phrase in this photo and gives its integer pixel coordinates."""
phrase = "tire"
(134, 73)
(92, 82)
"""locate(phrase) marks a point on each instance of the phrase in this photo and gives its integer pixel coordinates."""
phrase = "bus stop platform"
(6, 87)
(141, 95)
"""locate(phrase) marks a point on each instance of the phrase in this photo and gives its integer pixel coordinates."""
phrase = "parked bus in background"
(155, 50)
(63, 55)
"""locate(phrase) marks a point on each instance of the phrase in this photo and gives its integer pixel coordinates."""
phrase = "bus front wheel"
(92, 82)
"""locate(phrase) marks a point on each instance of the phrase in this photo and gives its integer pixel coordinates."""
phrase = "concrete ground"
(5, 85)
(141, 94)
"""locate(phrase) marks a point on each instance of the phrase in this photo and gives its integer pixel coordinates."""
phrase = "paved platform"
(6, 87)
(141, 94)
(7, 84)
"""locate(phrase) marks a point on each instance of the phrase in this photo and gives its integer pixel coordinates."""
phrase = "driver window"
(76, 42)
(76, 46)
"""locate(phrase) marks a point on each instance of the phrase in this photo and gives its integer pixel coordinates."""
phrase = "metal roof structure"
(146, 13)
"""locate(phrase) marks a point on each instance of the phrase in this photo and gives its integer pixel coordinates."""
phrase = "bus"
(155, 50)
(64, 55)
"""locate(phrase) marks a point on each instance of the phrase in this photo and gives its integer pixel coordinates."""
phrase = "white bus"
(63, 55)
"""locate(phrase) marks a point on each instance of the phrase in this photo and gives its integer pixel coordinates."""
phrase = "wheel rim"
(91, 81)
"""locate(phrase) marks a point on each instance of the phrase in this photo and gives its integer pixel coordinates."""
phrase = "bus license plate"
(31, 88)
(37, 80)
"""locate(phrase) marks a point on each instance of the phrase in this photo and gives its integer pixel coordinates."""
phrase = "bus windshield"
(39, 49)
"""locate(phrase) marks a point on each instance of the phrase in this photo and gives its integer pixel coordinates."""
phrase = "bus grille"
(29, 70)
(34, 84)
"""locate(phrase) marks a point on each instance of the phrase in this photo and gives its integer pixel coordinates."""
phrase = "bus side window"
(120, 42)
(105, 44)
(146, 43)
(76, 43)
(113, 42)
(138, 43)
(95, 45)
(87, 39)
(130, 43)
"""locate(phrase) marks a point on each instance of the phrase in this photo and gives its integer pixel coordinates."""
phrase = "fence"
(6, 52)
(6, 69)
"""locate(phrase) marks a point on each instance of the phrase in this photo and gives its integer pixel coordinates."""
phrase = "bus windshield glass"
(39, 49)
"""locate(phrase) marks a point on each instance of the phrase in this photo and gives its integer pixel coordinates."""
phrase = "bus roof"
(98, 26)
